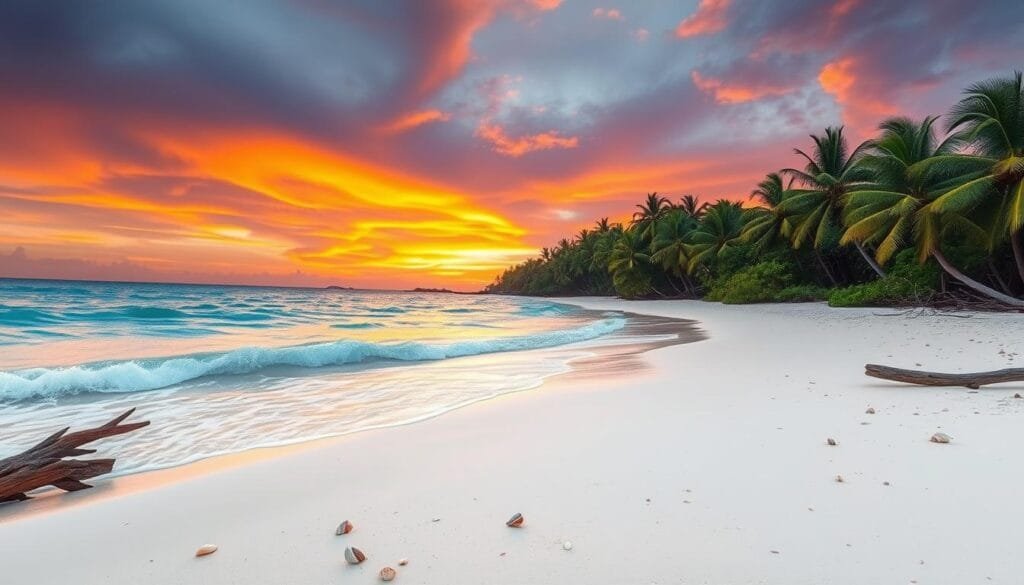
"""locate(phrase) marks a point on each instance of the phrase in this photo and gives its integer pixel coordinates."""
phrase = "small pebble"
(869, 411)
(940, 438)
(839, 479)
(832, 442)
(567, 545)
(403, 562)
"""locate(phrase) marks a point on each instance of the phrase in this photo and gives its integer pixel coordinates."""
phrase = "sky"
(427, 143)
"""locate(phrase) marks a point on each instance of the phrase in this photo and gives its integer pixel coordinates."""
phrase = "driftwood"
(46, 463)
(970, 380)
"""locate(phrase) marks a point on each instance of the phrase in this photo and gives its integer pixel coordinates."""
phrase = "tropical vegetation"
(912, 215)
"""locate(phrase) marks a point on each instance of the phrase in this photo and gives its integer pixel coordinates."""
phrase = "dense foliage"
(888, 222)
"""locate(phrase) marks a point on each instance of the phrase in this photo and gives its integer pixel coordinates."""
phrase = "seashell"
(403, 562)
(869, 411)
(567, 545)
(354, 556)
(387, 574)
(1017, 395)
(515, 521)
(206, 549)
(831, 442)
(344, 528)
(941, 438)
(839, 479)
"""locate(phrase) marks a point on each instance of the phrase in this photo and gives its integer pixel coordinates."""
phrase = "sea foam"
(152, 374)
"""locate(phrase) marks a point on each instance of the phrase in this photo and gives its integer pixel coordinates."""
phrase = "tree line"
(914, 210)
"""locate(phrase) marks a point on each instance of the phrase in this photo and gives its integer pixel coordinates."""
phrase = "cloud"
(711, 17)
(415, 119)
(495, 134)
(607, 13)
(735, 92)
(426, 143)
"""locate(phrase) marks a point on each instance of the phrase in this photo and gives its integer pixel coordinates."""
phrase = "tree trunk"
(1018, 252)
(871, 261)
(824, 266)
(974, 284)
(999, 279)
(921, 378)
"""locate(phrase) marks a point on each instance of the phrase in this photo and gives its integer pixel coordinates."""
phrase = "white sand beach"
(709, 464)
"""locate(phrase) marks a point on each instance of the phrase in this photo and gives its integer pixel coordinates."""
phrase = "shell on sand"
(387, 574)
(567, 545)
(344, 528)
(839, 479)
(354, 556)
(869, 411)
(941, 438)
(515, 521)
(206, 549)
(831, 442)
(403, 562)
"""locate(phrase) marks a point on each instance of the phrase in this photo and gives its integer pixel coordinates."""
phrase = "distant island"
(442, 290)
(336, 287)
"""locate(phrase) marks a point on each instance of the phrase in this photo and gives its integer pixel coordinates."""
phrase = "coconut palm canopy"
(434, 142)
(912, 197)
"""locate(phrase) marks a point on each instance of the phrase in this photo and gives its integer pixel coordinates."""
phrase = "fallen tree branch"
(47, 464)
(922, 378)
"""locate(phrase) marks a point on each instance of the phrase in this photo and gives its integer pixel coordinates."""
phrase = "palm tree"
(670, 245)
(990, 120)
(829, 174)
(719, 229)
(764, 223)
(628, 263)
(692, 207)
(602, 226)
(652, 209)
(894, 210)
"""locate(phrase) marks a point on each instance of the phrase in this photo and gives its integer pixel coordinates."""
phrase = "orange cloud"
(711, 17)
(544, 5)
(243, 202)
(857, 93)
(415, 119)
(495, 134)
(734, 93)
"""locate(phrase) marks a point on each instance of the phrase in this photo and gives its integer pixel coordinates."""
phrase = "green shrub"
(906, 282)
(754, 284)
(802, 293)
(632, 283)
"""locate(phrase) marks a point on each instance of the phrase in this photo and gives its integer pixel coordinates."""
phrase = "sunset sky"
(400, 144)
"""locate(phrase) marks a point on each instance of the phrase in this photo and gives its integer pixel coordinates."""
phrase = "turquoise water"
(221, 369)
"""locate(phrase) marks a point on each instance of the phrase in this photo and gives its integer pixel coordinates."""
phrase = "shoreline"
(693, 469)
(594, 360)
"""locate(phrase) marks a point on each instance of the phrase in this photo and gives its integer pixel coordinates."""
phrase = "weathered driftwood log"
(46, 463)
(970, 380)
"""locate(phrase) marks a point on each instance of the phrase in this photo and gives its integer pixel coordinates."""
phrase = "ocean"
(223, 369)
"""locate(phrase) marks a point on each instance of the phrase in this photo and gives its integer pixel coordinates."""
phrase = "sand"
(706, 464)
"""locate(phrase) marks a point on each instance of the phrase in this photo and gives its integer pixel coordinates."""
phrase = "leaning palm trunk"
(974, 284)
(824, 266)
(871, 261)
